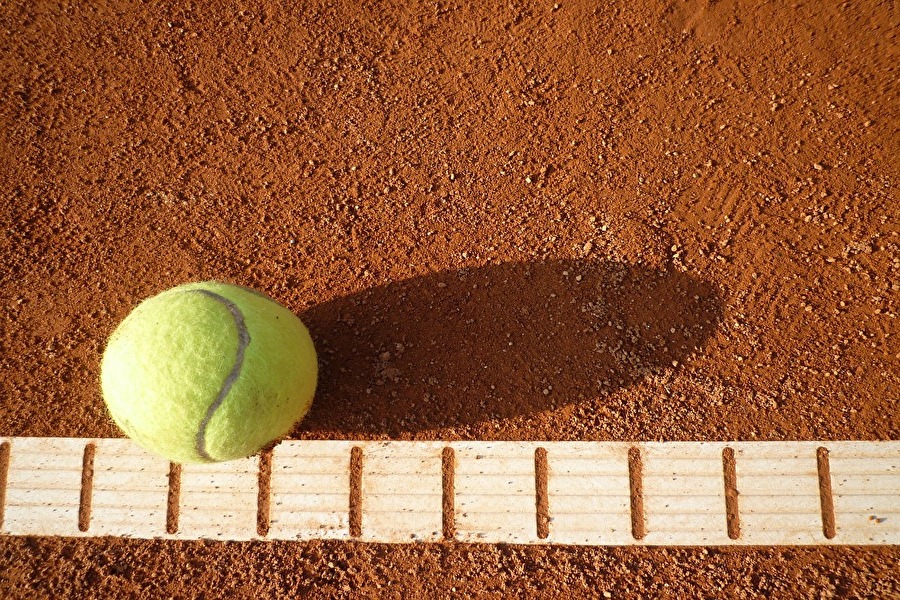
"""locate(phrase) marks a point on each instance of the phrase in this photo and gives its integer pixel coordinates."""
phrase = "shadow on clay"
(459, 348)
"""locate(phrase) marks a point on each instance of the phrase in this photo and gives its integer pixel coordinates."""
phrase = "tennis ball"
(208, 372)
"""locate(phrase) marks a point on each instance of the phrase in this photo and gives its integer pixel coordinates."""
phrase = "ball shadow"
(459, 348)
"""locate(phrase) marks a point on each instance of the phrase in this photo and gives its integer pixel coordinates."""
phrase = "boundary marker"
(586, 493)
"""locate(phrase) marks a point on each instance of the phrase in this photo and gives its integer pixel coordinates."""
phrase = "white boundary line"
(588, 493)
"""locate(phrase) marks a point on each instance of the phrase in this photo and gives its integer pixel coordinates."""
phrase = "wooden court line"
(587, 493)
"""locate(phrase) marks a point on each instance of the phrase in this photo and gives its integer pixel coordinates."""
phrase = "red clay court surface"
(501, 221)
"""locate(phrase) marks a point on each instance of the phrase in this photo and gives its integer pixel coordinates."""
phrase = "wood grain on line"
(495, 494)
(43, 486)
(310, 487)
(865, 482)
(219, 500)
(402, 492)
(588, 493)
(779, 498)
(130, 489)
(684, 493)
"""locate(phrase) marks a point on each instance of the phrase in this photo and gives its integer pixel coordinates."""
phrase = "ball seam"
(243, 342)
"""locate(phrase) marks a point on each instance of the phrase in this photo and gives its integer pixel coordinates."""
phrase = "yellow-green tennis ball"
(208, 372)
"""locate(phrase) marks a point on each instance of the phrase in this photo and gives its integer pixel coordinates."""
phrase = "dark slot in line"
(448, 481)
(356, 468)
(263, 496)
(825, 496)
(4, 470)
(87, 487)
(732, 512)
(636, 479)
(174, 498)
(541, 495)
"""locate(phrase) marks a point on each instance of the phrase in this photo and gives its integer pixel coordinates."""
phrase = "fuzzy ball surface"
(208, 372)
